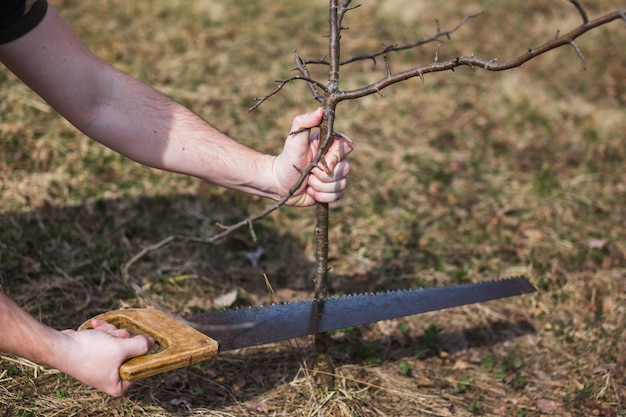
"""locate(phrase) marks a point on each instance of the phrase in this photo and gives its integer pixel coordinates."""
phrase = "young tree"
(329, 95)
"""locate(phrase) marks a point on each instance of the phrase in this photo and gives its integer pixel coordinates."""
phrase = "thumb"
(297, 144)
(137, 346)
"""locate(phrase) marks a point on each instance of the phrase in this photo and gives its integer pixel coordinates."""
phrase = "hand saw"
(184, 341)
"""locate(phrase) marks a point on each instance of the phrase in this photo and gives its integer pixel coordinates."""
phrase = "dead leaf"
(239, 383)
(460, 364)
(260, 407)
(424, 382)
(533, 234)
(597, 243)
(226, 300)
(386, 327)
(199, 302)
(546, 406)
(288, 295)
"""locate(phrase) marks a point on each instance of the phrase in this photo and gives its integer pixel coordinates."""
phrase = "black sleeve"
(16, 20)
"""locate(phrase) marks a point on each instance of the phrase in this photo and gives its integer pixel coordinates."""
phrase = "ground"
(464, 177)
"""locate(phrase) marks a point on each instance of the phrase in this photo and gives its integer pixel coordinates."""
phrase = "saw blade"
(245, 327)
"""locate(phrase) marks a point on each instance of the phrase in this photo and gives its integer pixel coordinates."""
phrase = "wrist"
(27, 337)
(254, 175)
(51, 348)
(275, 190)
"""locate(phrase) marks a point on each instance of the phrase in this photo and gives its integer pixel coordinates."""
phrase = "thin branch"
(489, 65)
(344, 7)
(579, 53)
(281, 84)
(387, 66)
(395, 48)
(581, 10)
(340, 10)
(301, 66)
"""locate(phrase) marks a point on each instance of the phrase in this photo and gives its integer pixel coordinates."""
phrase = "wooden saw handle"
(180, 345)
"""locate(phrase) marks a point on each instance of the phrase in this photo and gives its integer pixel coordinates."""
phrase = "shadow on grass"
(62, 265)
(64, 262)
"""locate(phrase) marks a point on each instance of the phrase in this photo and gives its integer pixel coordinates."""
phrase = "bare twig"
(580, 54)
(281, 84)
(342, 8)
(581, 10)
(312, 85)
(396, 48)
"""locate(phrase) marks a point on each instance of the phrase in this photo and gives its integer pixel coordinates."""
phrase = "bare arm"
(134, 119)
(92, 356)
(148, 127)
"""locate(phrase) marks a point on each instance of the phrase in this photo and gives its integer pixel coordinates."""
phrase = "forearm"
(150, 128)
(92, 356)
(136, 120)
(23, 336)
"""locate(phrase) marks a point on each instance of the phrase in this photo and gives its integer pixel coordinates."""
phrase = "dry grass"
(467, 176)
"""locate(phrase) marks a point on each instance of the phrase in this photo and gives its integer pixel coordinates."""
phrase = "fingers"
(326, 188)
(94, 356)
(137, 346)
(129, 348)
(341, 147)
(109, 328)
(327, 185)
(324, 197)
(322, 182)
(328, 179)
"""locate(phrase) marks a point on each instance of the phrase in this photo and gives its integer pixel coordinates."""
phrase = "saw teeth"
(368, 294)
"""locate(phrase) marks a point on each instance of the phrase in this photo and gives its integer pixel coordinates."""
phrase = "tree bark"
(324, 366)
